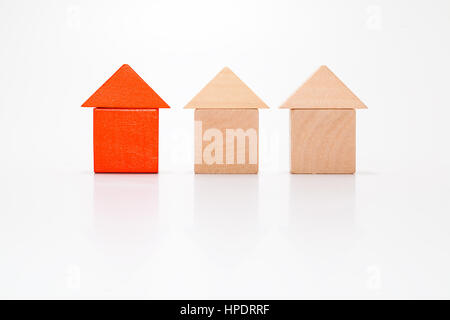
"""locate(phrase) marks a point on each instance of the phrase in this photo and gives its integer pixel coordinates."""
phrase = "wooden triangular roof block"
(125, 89)
(323, 90)
(226, 91)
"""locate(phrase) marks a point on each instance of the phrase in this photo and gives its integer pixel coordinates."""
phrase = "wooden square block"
(126, 140)
(323, 141)
(226, 141)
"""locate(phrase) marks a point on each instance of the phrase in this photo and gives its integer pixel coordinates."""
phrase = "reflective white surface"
(67, 233)
(204, 236)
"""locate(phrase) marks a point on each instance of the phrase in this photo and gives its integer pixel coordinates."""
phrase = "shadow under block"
(126, 140)
(323, 141)
(226, 140)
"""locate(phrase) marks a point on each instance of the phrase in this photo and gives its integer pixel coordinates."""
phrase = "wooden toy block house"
(323, 125)
(126, 120)
(226, 126)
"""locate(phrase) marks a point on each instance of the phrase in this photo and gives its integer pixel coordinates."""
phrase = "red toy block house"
(126, 119)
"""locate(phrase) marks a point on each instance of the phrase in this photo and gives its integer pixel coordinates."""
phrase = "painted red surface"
(126, 140)
(125, 89)
(126, 121)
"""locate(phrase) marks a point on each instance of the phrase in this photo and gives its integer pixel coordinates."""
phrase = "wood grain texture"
(243, 157)
(226, 91)
(126, 140)
(323, 90)
(323, 141)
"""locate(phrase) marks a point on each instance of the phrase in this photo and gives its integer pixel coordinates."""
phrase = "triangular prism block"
(226, 91)
(125, 89)
(323, 90)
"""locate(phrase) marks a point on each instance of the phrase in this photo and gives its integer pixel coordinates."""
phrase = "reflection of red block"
(126, 117)
(125, 140)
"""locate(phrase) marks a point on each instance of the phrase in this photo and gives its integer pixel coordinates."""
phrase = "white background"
(67, 233)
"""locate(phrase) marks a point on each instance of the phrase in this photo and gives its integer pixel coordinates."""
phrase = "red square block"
(126, 140)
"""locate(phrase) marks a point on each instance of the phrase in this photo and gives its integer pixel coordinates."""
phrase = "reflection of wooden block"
(323, 141)
(125, 140)
(226, 140)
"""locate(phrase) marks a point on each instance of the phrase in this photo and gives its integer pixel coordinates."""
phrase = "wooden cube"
(126, 140)
(226, 141)
(323, 141)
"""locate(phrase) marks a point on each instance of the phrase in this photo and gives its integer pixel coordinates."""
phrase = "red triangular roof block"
(125, 89)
